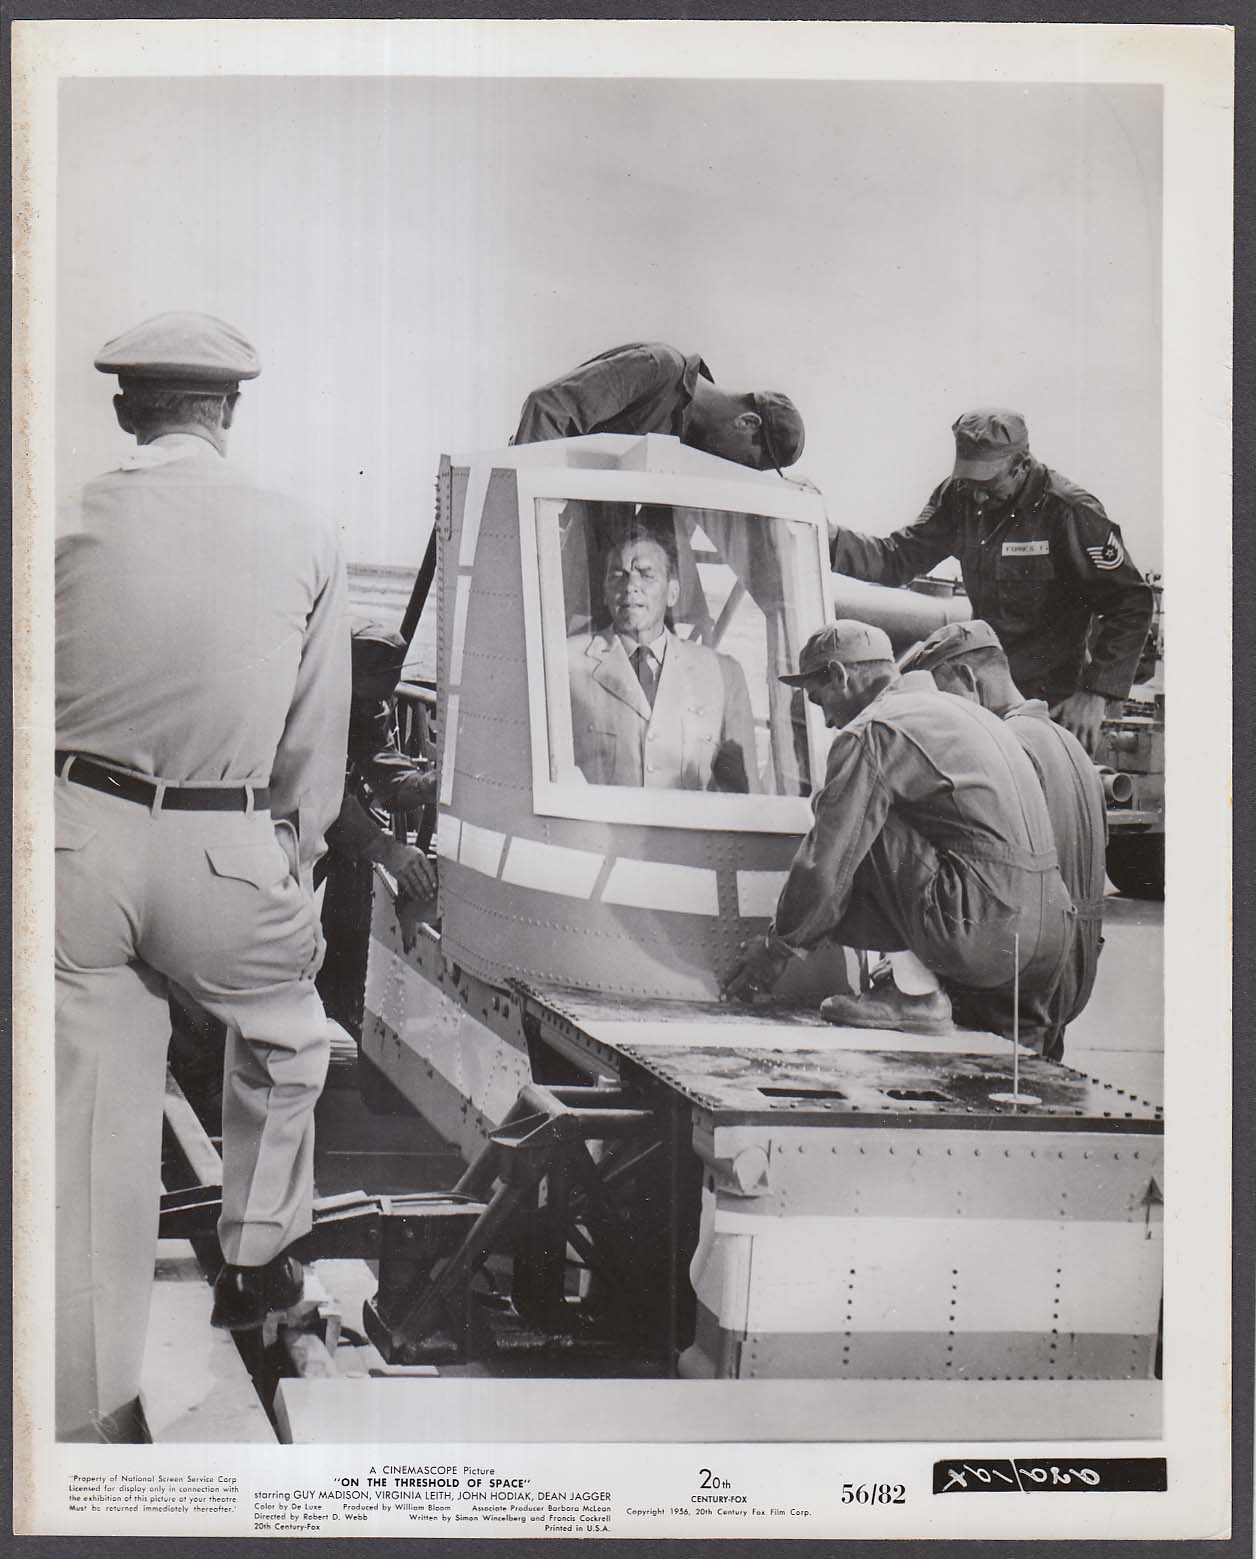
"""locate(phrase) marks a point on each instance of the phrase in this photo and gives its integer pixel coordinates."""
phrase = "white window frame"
(546, 640)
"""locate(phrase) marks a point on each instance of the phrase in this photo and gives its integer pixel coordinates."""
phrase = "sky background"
(410, 256)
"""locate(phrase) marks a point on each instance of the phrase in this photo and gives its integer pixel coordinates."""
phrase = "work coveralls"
(1075, 803)
(1040, 573)
(644, 387)
(202, 640)
(931, 835)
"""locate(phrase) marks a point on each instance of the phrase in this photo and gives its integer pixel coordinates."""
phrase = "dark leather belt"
(174, 798)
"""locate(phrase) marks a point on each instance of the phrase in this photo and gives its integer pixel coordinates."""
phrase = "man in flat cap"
(376, 763)
(967, 659)
(1042, 563)
(931, 843)
(646, 387)
(202, 696)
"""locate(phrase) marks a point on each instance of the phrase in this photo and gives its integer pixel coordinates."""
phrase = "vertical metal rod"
(1015, 1013)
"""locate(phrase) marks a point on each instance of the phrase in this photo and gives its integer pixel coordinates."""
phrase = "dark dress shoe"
(245, 1296)
(886, 1007)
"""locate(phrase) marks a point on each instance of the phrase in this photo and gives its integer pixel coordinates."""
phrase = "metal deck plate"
(867, 1087)
(755, 1064)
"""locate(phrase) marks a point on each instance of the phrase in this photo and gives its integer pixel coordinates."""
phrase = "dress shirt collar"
(164, 450)
(657, 647)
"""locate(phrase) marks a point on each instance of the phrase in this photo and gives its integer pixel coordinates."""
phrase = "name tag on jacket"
(1026, 549)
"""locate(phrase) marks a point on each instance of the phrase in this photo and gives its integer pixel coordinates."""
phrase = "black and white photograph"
(596, 609)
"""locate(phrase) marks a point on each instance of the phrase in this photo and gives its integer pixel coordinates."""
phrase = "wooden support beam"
(191, 1138)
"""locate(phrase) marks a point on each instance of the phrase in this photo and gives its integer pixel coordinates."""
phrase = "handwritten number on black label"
(1052, 1475)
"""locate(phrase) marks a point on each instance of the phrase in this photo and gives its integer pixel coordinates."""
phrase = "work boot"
(245, 1296)
(886, 1007)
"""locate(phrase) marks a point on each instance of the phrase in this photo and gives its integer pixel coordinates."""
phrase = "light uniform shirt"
(201, 632)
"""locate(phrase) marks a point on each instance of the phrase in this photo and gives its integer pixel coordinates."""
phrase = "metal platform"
(755, 1065)
(468, 1412)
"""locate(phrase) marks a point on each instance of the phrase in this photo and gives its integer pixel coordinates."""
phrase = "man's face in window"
(639, 588)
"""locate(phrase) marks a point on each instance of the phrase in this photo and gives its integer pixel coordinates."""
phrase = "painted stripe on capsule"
(690, 890)
(448, 833)
(480, 849)
(462, 596)
(757, 893)
(449, 737)
(478, 478)
(552, 868)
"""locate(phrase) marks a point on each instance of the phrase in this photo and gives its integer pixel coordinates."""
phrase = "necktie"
(647, 672)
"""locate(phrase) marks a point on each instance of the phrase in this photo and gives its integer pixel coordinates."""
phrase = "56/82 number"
(874, 1494)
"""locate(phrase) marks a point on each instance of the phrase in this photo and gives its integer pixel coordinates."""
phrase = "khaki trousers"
(208, 900)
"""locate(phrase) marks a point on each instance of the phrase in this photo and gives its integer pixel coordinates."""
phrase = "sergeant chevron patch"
(1110, 555)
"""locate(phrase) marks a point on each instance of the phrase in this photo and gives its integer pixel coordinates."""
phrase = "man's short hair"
(155, 405)
(663, 537)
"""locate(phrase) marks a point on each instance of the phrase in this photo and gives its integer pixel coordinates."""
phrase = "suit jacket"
(698, 736)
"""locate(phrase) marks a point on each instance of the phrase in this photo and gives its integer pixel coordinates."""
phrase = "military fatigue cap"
(844, 642)
(377, 651)
(185, 351)
(948, 643)
(985, 440)
(783, 432)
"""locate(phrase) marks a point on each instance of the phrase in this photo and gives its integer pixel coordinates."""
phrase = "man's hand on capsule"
(761, 961)
(1082, 714)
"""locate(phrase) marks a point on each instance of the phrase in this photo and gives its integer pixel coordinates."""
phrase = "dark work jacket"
(1040, 574)
(644, 387)
(373, 758)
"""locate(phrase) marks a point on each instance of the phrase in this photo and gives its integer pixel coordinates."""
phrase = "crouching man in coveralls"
(966, 659)
(931, 842)
(202, 697)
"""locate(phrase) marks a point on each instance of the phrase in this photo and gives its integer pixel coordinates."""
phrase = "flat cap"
(948, 643)
(186, 350)
(845, 642)
(985, 440)
(783, 432)
(377, 651)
